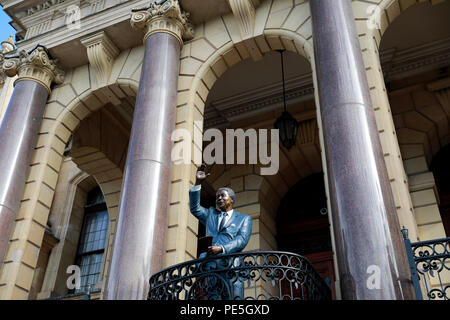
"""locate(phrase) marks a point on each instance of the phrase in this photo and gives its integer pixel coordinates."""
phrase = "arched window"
(91, 245)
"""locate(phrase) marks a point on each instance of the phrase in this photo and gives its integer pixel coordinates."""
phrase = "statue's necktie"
(222, 222)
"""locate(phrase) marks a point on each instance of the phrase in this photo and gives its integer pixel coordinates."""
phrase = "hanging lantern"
(288, 127)
(287, 124)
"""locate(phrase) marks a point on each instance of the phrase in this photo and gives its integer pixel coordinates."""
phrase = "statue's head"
(225, 198)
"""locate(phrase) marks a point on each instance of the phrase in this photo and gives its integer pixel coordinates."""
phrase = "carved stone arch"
(69, 103)
(371, 20)
(100, 144)
(390, 10)
(380, 15)
(87, 119)
(65, 218)
(418, 133)
(219, 45)
(259, 196)
(193, 90)
(229, 55)
(421, 134)
(422, 124)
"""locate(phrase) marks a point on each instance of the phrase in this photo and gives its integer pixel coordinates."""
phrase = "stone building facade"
(89, 82)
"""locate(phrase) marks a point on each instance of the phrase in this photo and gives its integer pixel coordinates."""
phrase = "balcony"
(252, 275)
(429, 262)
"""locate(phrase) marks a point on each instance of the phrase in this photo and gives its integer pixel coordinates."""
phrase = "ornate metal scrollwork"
(254, 275)
(432, 259)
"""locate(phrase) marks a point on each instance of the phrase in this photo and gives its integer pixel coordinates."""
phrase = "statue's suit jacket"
(233, 236)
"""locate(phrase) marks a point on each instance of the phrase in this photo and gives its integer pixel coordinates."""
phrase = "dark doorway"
(303, 226)
(441, 171)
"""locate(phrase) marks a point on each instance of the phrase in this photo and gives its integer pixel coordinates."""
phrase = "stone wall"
(69, 104)
(422, 122)
(219, 44)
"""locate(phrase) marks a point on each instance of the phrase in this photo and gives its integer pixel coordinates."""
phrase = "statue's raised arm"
(230, 229)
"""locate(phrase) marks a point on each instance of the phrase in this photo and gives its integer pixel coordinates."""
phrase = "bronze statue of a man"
(229, 229)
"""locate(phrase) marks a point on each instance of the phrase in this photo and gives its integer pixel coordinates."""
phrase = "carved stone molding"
(398, 64)
(36, 65)
(42, 6)
(261, 100)
(244, 12)
(101, 53)
(163, 16)
(307, 132)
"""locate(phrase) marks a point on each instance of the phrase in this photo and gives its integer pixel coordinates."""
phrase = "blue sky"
(5, 29)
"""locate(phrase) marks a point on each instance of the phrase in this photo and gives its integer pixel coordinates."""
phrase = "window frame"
(89, 210)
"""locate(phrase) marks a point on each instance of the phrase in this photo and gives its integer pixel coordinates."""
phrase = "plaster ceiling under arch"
(258, 82)
(419, 24)
(417, 41)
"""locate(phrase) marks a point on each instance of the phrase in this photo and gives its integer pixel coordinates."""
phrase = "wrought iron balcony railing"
(253, 275)
(430, 267)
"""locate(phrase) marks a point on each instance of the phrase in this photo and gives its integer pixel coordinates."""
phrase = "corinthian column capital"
(7, 46)
(35, 65)
(163, 16)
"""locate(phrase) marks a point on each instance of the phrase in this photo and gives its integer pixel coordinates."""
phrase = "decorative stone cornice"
(307, 132)
(43, 6)
(36, 65)
(397, 64)
(163, 16)
(101, 52)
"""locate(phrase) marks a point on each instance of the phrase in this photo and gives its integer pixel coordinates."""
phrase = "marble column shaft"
(18, 135)
(36, 71)
(370, 251)
(140, 243)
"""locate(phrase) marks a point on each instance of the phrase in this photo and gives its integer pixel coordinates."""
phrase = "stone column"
(140, 243)
(370, 251)
(18, 131)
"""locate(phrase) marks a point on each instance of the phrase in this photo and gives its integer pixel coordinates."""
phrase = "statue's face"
(223, 200)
